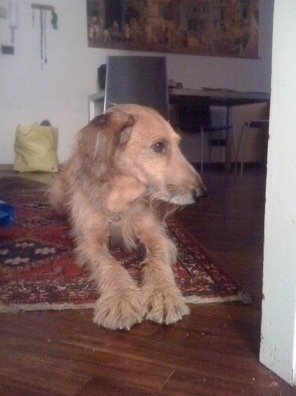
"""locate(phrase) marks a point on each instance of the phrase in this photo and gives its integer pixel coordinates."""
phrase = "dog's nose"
(200, 192)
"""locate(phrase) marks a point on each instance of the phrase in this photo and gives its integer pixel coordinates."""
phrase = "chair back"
(137, 79)
(194, 114)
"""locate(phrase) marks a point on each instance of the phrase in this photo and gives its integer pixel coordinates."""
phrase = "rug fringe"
(43, 307)
(243, 297)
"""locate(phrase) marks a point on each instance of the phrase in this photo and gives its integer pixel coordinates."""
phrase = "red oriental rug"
(37, 264)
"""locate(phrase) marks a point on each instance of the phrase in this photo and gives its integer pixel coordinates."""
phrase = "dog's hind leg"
(164, 302)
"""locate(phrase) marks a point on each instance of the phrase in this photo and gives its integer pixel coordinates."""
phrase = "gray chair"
(263, 125)
(137, 79)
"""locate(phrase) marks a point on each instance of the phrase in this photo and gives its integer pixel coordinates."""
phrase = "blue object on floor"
(7, 214)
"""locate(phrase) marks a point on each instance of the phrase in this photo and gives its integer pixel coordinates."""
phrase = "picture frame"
(226, 28)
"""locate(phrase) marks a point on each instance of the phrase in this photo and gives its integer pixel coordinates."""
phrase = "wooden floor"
(214, 351)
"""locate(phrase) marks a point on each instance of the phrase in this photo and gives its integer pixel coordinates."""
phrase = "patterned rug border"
(210, 265)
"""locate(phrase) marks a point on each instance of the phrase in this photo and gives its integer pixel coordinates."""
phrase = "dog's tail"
(57, 195)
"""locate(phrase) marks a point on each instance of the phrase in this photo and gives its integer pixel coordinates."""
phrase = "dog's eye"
(159, 147)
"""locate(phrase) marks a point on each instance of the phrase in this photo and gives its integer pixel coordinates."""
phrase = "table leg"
(229, 143)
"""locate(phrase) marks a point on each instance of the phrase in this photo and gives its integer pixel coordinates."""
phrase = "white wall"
(59, 91)
(278, 332)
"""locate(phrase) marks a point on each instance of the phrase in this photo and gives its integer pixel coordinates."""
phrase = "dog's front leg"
(164, 302)
(120, 304)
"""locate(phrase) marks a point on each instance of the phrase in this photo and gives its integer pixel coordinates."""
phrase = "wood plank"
(213, 351)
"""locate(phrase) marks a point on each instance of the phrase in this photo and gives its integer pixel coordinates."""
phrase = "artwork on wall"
(196, 27)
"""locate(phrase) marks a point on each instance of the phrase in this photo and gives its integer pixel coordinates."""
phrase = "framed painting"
(196, 27)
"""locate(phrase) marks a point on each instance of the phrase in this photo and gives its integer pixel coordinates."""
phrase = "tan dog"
(127, 169)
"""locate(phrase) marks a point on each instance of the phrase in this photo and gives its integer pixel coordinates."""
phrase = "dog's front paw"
(165, 306)
(120, 310)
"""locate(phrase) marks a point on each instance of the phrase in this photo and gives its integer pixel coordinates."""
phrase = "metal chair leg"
(210, 147)
(202, 151)
(229, 148)
(241, 148)
(246, 127)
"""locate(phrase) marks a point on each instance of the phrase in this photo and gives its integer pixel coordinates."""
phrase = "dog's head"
(136, 152)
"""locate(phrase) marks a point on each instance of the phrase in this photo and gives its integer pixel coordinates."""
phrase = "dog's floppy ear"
(104, 134)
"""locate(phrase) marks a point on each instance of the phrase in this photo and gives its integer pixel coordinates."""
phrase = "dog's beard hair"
(171, 197)
(182, 200)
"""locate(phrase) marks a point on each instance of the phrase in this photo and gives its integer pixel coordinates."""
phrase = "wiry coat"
(127, 169)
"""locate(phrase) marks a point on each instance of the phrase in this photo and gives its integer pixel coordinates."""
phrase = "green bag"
(36, 148)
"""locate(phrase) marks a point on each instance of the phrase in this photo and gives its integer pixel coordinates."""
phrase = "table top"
(223, 97)
(218, 97)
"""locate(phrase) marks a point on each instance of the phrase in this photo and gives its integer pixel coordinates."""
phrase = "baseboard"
(4, 167)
